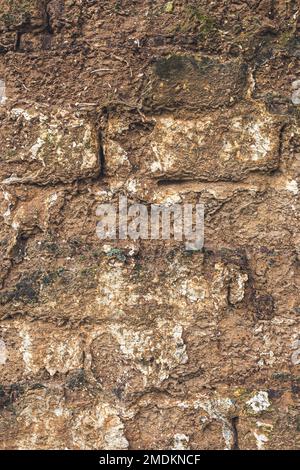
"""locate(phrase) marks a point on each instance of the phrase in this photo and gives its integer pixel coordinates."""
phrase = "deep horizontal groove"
(174, 182)
(180, 182)
(250, 179)
(201, 183)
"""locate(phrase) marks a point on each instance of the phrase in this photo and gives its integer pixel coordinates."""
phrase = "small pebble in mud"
(296, 92)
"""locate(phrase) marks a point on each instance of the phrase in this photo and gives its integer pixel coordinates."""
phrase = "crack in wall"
(101, 155)
(28, 27)
(235, 436)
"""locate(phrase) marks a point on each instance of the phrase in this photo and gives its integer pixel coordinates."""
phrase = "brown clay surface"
(141, 344)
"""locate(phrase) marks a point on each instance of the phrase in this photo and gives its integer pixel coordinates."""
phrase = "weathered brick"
(190, 83)
(43, 147)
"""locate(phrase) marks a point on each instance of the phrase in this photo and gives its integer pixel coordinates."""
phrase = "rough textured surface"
(141, 344)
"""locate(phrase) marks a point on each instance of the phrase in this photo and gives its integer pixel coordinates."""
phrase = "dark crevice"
(28, 27)
(166, 182)
(234, 423)
(101, 155)
(18, 41)
(48, 27)
(272, 10)
(186, 180)
(281, 144)
(182, 181)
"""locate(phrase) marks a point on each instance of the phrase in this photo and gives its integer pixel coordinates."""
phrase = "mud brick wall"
(141, 344)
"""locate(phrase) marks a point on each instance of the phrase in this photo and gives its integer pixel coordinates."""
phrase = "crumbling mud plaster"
(140, 344)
